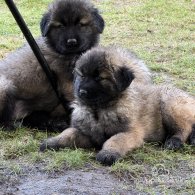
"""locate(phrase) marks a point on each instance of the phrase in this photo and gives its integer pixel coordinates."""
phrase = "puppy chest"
(100, 125)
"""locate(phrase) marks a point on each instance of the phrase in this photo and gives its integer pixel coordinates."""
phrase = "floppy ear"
(44, 24)
(124, 77)
(98, 20)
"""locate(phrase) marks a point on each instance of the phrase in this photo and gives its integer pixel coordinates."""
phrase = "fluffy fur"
(114, 113)
(69, 28)
(114, 116)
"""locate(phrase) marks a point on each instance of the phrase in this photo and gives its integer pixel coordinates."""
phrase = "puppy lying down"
(116, 113)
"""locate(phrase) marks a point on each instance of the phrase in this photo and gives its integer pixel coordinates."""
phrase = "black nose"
(72, 42)
(82, 92)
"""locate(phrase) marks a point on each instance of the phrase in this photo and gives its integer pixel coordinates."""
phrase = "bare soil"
(34, 181)
(97, 180)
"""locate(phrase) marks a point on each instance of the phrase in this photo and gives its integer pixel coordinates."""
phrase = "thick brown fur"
(69, 28)
(115, 113)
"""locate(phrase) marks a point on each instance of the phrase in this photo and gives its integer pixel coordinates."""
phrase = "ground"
(162, 34)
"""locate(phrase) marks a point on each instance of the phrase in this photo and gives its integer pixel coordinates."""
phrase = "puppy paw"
(173, 143)
(107, 157)
(8, 126)
(192, 141)
(48, 144)
(192, 136)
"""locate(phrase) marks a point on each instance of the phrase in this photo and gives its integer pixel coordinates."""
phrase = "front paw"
(48, 144)
(107, 157)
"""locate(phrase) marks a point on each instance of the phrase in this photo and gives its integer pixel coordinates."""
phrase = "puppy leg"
(179, 135)
(178, 119)
(70, 137)
(192, 136)
(7, 103)
(42, 121)
(174, 142)
(118, 146)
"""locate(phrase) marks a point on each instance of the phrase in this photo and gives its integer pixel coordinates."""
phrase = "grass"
(162, 34)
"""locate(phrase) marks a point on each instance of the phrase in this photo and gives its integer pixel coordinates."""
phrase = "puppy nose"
(71, 42)
(82, 92)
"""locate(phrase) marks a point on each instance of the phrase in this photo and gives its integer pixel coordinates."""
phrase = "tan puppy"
(117, 114)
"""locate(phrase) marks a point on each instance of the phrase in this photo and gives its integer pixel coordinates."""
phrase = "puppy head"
(99, 80)
(72, 26)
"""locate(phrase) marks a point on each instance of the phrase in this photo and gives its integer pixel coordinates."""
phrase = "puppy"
(115, 113)
(69, 28)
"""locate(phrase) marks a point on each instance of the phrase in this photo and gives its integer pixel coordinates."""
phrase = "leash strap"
(37, 52)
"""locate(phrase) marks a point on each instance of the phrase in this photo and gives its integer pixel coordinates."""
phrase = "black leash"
(36, 50)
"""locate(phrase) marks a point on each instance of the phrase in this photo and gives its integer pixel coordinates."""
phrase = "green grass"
(10, 34)
(162, 34)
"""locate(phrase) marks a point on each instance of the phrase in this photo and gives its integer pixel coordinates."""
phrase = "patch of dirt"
(71, 182)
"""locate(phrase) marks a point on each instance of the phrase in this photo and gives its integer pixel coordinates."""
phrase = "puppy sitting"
(117, 114)
(69, 28)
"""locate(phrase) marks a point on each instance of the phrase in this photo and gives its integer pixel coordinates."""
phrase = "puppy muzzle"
(72, 43)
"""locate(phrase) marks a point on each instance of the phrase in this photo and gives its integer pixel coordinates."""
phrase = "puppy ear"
(124, 77)
(99, 21)
(44, 24)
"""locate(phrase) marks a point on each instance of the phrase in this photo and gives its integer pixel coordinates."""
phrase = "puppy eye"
(98, 78)
(82, 24)
(62, 26)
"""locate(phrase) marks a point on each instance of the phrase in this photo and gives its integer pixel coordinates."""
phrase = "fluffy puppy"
(69, 28)
(116, 112)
